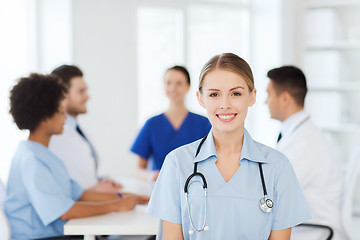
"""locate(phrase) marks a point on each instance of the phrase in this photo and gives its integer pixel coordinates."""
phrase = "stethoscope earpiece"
(206, 228)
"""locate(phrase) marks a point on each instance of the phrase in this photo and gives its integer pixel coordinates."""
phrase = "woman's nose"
(225, 103)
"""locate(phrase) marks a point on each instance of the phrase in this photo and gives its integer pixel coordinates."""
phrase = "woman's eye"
(236, 94)
(213, 95)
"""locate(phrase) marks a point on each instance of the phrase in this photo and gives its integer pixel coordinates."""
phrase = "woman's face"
(226, 98)
(55, 124)
(176, 86)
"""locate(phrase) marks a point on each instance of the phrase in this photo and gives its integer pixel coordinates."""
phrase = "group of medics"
(220, 185)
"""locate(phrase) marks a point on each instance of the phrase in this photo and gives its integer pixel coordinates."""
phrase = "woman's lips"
(226, 117)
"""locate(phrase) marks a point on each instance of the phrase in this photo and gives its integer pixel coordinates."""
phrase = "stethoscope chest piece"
(266, 204)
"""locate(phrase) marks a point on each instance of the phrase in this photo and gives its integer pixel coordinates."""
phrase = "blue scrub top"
(158, 137)
(39, 192)
(233, 210)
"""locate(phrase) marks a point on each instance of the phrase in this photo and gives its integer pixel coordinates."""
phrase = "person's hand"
(126, 203)
(140, 199)
(156, 175)
(113, 183)
(107, 186)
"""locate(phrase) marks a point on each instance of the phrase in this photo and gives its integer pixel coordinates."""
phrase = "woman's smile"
(226, 117)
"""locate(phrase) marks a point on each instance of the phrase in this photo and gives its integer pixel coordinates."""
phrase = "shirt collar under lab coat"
(249, 149)
(71, 121)
(292, 122)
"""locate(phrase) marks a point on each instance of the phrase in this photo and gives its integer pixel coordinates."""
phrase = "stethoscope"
(266, 204)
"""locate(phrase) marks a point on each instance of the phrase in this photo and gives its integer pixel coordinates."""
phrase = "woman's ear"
(200, 100)
(252, 97)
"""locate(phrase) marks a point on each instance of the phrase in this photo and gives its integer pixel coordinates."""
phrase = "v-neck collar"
(172, 126)
(249, 149)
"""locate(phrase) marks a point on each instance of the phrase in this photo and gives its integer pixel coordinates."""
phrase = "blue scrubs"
(158, 137)
(39, 192)
(233, 210)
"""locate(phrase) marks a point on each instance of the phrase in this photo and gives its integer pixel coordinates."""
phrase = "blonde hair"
(229, 62)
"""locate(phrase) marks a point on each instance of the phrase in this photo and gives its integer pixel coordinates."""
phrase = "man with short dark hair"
(74, 146)
(304, 144)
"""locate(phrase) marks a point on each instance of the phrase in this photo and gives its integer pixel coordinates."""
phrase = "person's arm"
(86, 209)
(280, 234)
(172, 231)
(142, 163)
(107, 185)
(143, 173)
(93, 196)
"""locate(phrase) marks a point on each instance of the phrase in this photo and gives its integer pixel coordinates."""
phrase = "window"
(14, 60)
(188, 34)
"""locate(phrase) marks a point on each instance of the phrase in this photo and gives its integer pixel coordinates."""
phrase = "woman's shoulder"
(25, 155)
(155, 119)
(198, 118)
(271, 155)
(180, 154)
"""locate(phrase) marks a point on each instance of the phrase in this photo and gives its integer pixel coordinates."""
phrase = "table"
(135, 222)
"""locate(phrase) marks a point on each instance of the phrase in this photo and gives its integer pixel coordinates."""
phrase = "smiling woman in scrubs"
(40, 194)
(229, 160)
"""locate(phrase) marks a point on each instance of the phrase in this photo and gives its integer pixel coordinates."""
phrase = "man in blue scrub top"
(41, 196)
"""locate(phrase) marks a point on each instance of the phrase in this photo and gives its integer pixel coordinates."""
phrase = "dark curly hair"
(34, 99)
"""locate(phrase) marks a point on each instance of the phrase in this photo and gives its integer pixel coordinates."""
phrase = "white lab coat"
(319, 174)
(76, 153)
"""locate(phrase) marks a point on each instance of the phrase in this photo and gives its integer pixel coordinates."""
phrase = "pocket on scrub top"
(252, 220)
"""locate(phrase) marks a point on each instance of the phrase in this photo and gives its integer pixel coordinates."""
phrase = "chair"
(5, 232)
(351, 173)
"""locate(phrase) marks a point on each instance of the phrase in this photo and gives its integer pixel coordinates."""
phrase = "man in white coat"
(319, 175)
(74, 146)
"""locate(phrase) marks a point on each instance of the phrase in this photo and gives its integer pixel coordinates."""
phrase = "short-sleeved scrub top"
(233, 210)
(39, 192)
(158, 137)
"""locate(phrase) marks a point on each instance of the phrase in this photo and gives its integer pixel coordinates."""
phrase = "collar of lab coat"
(292, 122)
(71, 121)
(249, 149)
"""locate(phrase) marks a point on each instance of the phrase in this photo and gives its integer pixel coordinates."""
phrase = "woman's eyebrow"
(214, 89)
(236, 88)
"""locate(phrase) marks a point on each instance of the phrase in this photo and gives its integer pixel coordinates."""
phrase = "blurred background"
(124, 47)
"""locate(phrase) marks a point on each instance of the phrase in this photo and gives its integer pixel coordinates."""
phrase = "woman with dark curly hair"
(40, 194)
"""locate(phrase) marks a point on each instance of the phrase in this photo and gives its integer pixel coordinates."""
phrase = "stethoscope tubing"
(266, 204)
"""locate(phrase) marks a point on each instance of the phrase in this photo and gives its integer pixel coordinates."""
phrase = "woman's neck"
(176, 109)
(40, 137)
(176, 114)
(228, 142)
